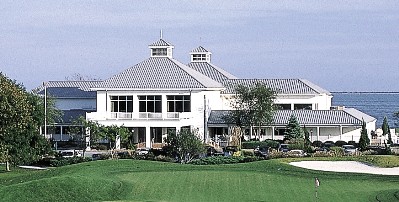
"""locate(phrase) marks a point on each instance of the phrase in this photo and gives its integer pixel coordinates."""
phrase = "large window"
(284, 106)
(199, 57)
(156, 134)
(159, 52)
(303, 106)
(121, 103)
(179, 103)
(150, 103)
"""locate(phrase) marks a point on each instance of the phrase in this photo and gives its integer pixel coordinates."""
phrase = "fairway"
(132, 180)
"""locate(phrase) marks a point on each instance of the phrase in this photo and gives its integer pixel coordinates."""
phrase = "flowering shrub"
(214, 160)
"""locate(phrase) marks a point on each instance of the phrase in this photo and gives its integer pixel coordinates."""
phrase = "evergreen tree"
(389, 141)
(293, 129)
(364, 140)
(385, 127)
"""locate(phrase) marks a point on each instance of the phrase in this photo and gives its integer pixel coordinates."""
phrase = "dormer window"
(200, 54)
(199, 57)
(161, 48)
(159, 52)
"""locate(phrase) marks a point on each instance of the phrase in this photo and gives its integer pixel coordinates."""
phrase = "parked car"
(284, 147)
(70, 153)
(262, 152)
(212, 151)
(349, 149)
(298, 153)
(96, 156)
(142, 151)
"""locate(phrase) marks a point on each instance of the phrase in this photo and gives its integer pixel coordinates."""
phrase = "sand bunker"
(345, 166)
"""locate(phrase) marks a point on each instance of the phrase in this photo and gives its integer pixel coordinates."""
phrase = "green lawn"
(131, 180)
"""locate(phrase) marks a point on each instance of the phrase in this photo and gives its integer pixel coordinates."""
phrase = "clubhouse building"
(161, 94)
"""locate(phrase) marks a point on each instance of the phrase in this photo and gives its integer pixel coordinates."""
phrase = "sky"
(338, 45)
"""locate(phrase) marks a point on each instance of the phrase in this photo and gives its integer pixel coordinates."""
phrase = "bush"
(317, 143)
(255, 144)
(58, 162)
(296, 144)
(248, 152)
(340, 143)
(337, 151)
(214, 160)
(164, 158)
(101, 147)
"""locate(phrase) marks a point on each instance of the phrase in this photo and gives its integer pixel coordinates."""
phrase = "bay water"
(375, 104)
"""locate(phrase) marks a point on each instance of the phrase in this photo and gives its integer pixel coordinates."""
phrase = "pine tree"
(293, 130)
(364, 140)
(385, 127)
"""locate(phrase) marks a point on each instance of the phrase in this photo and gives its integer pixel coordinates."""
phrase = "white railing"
(121, 115)
(137, 115)
(150, 115)
(173, 115)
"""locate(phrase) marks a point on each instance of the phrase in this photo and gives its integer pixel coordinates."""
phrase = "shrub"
(101, 147)
(164, 158)
(214, 160)
(352, 143)
(323, 154)
(317, 143)
(337, 151)
(339, 143)
(297, 144)
(248, 152)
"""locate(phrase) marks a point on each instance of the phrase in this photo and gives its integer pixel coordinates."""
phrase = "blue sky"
(339, 45)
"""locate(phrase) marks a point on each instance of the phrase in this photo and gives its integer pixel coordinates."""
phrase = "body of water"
(376, 105)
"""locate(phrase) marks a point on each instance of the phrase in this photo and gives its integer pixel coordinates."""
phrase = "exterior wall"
(194, 119)
(75, 103)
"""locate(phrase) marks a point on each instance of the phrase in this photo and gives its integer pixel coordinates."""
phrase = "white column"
(87, 139)
(318, 133)
(272, 132)
(164, 107)
(118, 142)
(340, 132)
(148, 136)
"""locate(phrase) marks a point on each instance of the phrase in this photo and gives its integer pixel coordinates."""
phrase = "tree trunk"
(7, 166)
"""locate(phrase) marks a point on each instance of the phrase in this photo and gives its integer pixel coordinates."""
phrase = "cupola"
(200, 54)
(161, 48)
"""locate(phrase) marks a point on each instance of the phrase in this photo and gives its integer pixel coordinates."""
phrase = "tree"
(364, 140)
(80, 77)
(385, 126)
(20, 120)
(307, 139)
(253, 106)
(185, 145)
(293, 129)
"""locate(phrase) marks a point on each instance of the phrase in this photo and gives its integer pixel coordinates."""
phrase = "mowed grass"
(131, 180)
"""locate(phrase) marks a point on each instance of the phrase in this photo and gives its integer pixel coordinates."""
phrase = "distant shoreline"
(368, 92)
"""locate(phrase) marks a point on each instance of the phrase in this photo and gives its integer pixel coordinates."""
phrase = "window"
(121, 103)
(303, 106)
(199, 57)
(279, 131)
(284, 106)
(179, 103)
(150, 103)
(159, 52)
(156, 135)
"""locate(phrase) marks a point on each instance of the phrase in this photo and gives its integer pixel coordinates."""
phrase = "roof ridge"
(193, 70)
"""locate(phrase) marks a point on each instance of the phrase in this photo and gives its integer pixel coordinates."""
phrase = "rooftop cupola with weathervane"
(161, 48)
(200, 54)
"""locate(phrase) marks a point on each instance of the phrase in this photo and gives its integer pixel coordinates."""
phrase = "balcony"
(138, 116)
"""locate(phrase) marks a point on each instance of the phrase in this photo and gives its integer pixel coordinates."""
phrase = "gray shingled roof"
(200, 49)
(161, 42)
(159, 73)
(69, 89)
(304, 117)
(211, 71)
(281, 86)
